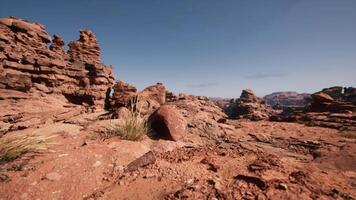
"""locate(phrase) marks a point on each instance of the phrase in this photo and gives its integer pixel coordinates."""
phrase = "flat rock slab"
(53, 176)
(147, 159)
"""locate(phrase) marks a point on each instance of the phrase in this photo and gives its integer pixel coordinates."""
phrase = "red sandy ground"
(260, 160)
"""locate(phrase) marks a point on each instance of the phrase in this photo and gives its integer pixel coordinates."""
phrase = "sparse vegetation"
(238, 126)
(348, 134)
(133, 127)
(13, 146)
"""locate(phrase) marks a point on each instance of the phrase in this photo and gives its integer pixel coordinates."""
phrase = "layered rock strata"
(30, 63)
(249, 106)
(333, 107)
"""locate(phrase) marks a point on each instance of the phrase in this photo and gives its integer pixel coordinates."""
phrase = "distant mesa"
(285, 100)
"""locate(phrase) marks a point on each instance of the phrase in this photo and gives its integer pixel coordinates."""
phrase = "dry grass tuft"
(134, 127)
(348, 134)
(237, 126)
(13, 146)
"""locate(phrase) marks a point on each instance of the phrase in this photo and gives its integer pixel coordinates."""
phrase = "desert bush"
(133, 127)
(348, 134)
(13, 145)
(238, 126)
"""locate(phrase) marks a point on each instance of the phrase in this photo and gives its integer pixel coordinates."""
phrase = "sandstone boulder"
(168, 123)
(321, 97)
(204, 118)
(151, 98)
(121, 112)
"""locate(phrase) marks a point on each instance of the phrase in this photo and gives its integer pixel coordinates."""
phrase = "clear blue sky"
(212, 47)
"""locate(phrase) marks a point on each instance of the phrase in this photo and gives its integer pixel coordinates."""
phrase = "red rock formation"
(145, 102)
(250, 106)
(122, 94)
(151, 98)
(287, 100)
(85, 49)
(322, 102)
(203, 117)
(28, 65)
(57, 45)
(168, 123)
(332, 107)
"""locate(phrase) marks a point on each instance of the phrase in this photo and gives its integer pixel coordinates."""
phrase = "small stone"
(147, 159)
(53, 176)
(281, 186)
(4, 177)
(34, 183)
(149, 175)
(190, 181)
(24, 196)
(97, 164)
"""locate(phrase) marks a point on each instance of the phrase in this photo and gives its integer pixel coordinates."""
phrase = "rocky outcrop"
(145, 102)
(122, 95)
(170, 96)
(223, 103)
(168, 123)
(204, 119)
(28, 65)
(249, 106)
(41, 83)
(57, 45)
(86, 48)
(151, 98)
(332, 107)
(330, 102)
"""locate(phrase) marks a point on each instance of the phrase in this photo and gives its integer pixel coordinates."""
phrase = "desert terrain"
(65, 122)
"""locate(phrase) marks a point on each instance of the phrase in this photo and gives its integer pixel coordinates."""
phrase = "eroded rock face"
(28, 65)
(151, 98)
(249, 106)
(332, 107)
(204, 118)
(168, 123)
(145, 102)
(323, 102)
(122, 95)
(40, 82)
(86, 48)
(57, 45)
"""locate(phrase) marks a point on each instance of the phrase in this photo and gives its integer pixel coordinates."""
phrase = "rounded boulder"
(168, 123)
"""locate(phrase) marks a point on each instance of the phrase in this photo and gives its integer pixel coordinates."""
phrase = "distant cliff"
(282, 100)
